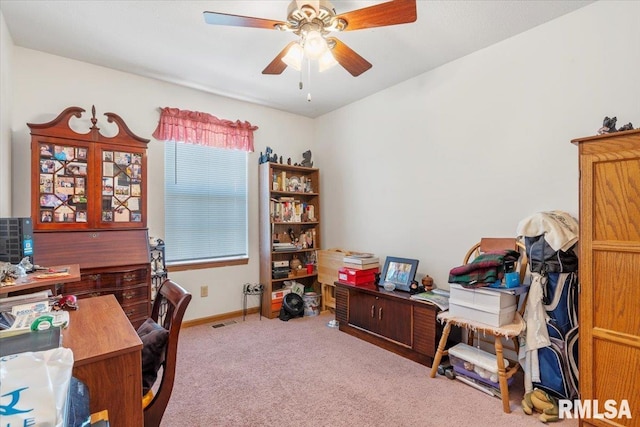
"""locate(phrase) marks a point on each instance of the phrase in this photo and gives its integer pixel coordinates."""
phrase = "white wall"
(44, 85)
(6, 55)
(425, 169)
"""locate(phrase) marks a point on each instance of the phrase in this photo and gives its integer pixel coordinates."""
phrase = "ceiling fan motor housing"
(304, 17)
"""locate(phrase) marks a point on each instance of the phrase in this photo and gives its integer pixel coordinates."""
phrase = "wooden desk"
(30, 282)
(107, 356)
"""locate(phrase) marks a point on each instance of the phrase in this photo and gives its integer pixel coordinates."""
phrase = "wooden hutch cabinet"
(609, 352)
(88, 206)
(289, 228)
(391, 320)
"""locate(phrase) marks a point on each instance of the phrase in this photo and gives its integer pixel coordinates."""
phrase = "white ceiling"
(169, 40)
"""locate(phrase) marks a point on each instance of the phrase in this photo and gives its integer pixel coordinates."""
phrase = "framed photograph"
(81, 153)
(45, 150)
(399, 271)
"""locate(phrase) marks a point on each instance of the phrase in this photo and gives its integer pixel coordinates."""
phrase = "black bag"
(542, 257)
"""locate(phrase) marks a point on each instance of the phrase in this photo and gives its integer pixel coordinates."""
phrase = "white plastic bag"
(34, 387)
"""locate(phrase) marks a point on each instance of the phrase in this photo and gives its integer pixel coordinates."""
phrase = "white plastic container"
(477, 357)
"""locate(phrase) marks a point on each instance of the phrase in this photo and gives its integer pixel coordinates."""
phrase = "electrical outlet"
(204, 291)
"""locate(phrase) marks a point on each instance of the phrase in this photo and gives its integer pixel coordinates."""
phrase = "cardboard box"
(484, 305)
(491, 317)
(275, 295)
(484, 298)
(276, 299)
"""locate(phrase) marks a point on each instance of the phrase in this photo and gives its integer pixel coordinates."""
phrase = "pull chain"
(309, 77)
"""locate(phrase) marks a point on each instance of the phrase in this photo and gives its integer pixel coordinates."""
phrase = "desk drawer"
(137, 311)
(132, 295)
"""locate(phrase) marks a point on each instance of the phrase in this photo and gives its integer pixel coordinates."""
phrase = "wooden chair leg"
(502, 376)
(441, 351)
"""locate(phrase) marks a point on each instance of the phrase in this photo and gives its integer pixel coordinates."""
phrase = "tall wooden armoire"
(609, 357)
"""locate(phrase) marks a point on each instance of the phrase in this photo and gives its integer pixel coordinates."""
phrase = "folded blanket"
(485, 269)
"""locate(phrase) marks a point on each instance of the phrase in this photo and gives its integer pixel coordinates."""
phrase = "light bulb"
(293, 57)
(326, 61)
(314, 45)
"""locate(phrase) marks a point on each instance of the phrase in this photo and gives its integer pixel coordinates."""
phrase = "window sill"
(207, 264)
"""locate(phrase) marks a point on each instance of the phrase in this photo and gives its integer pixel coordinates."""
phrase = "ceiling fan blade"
(216, 18)
(348, 58)
(390, 13)
(277, 66)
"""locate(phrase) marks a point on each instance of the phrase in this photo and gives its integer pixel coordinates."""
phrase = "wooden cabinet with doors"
(380, 315)
(609, 271)
(289, 229)
(85, 181)
(88, 206)
(391, 320)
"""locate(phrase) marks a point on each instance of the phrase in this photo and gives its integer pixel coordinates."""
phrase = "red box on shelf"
(357, 277)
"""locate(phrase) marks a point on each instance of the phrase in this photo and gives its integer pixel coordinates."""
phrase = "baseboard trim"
(217, 318)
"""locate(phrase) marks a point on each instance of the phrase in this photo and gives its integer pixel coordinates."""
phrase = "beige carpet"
(274, 373)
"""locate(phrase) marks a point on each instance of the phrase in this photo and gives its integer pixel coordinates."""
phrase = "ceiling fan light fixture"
(326, 61)
(293, 57)
(314, 45)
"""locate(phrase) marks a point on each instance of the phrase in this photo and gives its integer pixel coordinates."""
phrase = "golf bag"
(558, 362)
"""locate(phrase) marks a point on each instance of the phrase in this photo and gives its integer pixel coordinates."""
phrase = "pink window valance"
(193, 127)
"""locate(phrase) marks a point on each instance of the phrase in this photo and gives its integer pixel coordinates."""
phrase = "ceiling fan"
(313, 21)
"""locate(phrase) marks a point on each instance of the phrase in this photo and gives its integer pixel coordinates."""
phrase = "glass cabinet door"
(63, 171)
(122, 181)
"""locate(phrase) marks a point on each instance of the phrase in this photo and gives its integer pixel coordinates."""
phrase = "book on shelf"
(440, 300)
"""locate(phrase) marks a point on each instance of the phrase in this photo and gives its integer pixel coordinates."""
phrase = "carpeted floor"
(301, 372)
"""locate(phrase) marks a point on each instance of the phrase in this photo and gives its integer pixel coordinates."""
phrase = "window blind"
(205, 203)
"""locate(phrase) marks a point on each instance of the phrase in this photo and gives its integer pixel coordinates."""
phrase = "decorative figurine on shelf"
(628, 126)
(608, 125)
(266, 157)
(414, 288)
(289, 161)
(280, 159)
(306, 159)
(295, 263)
(427, 282)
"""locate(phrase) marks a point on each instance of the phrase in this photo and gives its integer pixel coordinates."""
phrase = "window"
(205, 203)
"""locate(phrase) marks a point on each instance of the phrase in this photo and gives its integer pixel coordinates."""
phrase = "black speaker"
(16, 239)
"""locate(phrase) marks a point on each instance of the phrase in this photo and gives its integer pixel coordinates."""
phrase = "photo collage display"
(121, 186)
(63, 177)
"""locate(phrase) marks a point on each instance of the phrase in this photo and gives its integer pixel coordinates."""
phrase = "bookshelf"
(289, 229)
